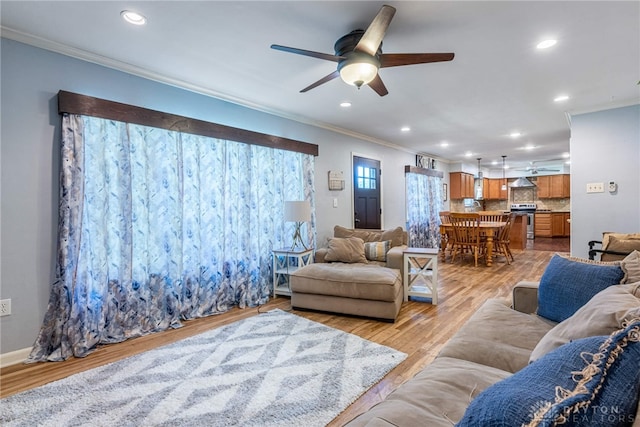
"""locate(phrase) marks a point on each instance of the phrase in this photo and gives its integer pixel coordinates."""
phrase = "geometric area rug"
(272, 369)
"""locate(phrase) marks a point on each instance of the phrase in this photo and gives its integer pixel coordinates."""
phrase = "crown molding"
(104, 61)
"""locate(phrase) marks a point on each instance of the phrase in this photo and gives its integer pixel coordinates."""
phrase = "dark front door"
(366, 193)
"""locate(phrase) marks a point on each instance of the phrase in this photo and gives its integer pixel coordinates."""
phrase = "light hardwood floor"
(420, 330)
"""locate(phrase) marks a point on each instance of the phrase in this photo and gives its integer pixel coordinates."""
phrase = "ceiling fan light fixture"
(358, 70)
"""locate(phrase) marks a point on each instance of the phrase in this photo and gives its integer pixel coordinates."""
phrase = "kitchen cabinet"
(557, 224)
(554, 186)
(461, 185)
(543, 185)
(493, 189)
(552, 224)
(567, 224)
(542, 225)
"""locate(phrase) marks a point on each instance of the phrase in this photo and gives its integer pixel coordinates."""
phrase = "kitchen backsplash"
(516, 195)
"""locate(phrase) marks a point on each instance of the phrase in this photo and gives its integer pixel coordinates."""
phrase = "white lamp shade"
(358, 73)
(297, 211)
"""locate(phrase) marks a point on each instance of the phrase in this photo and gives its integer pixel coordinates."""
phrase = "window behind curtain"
(424, 200)
(158, 226)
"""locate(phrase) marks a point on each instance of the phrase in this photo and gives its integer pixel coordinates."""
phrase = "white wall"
(30, 80)
(605, 146)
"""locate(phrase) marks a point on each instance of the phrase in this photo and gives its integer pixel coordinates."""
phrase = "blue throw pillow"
(592, 381)
(569, 283)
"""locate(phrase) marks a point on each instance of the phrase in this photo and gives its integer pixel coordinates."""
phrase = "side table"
(285, 262)
(421, 273)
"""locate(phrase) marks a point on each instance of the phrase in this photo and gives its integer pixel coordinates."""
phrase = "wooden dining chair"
(491, 216)
(467, 237)
(446, 237)
(501, 244)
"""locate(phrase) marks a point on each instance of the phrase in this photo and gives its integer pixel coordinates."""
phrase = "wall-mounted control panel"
(599, 187)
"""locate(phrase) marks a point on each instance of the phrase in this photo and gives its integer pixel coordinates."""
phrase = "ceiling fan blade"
(398, 59)
(377, 85)
(321, 81)
(372, 37)
(310, 53)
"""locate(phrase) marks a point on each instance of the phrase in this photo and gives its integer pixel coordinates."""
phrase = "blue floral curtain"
(158, 226)
(424, 199)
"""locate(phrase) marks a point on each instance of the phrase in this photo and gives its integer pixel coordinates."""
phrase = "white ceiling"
(498, 82)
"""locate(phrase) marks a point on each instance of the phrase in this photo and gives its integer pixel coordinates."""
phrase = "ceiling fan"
(359, 55)
(533, 169)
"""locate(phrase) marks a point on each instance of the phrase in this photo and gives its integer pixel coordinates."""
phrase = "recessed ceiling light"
(529, 147)
(515, 134)
(468, 154)
(444, 144)
(568, 162)
(494, 162)
(545, 44)
(133, 17)
(566, 155)
(405, 129)
(345, 104)
(560, 98)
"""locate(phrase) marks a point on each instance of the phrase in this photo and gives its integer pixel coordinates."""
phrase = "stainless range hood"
(522, 182)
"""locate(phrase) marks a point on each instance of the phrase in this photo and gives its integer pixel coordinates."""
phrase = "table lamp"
(298, 212)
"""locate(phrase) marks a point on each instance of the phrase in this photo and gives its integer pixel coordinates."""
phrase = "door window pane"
(366, 177)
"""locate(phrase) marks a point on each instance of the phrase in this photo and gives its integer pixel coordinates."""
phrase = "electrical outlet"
(5, 307)
(595, 187)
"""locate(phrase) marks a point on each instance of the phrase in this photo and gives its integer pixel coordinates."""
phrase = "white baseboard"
(14, 357)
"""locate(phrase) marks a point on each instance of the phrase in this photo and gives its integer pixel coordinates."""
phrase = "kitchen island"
(518, 235)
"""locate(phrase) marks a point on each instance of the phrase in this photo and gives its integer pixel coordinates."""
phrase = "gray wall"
(605, 146)
(30, 80)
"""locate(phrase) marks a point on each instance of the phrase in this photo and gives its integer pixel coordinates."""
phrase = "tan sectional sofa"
(358, 273)
(499, 345)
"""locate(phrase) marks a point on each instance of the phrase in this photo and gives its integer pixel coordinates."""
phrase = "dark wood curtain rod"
(423, 171)
(74, 103)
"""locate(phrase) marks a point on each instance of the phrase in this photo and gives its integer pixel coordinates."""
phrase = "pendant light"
(504, 180)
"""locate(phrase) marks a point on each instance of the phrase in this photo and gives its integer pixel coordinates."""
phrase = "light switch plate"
(5, 307)
(595, 187)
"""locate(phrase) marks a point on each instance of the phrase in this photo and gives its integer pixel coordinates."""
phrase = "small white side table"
(285, 262)
(421, 273)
